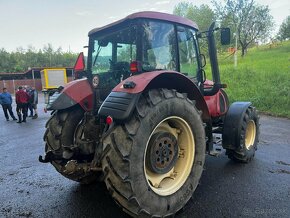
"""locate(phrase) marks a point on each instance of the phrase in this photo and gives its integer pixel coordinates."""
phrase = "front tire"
(249, 138)
(154, 161)
(61, 134)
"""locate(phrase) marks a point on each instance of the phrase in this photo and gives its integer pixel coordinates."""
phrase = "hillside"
(262, 77)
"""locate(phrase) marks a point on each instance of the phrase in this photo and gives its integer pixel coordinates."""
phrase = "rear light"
(109, 120)
(135, 67)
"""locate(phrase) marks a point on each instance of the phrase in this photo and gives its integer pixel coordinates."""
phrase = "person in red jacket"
(22, 99)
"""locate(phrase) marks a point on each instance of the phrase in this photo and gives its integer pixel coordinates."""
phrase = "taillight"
(135, 67)
(109, 120)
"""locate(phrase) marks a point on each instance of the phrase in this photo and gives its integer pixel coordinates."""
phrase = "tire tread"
(116, 162)
(241, 154)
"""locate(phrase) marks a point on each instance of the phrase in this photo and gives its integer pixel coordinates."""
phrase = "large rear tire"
(249, 137)
(154, 161)
(60, 134)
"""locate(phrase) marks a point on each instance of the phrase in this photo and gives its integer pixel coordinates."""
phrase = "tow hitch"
(49, 156)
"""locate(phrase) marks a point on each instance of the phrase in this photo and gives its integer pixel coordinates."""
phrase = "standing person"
(22, 99)
(30, 102)
(6, 102)
(34, 101)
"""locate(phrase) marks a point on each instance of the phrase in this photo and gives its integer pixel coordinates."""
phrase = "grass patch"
(262, 77)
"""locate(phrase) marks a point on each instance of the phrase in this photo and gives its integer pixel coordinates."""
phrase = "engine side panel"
(75, 92)
(217, 104)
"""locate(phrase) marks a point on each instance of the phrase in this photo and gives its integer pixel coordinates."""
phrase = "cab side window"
(187, 51)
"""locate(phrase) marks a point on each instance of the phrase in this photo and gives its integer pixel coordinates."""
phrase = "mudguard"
(232, 124)
(75, 92)
(121, 102)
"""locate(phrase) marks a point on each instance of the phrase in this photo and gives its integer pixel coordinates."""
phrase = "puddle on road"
(282, 163)
(281, 170)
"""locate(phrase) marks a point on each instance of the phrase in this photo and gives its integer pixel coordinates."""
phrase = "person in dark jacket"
(33, 101)
(6, 102)
(30, 108)
(22, 99)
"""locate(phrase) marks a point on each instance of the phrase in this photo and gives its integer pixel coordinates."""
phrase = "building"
(30, 78)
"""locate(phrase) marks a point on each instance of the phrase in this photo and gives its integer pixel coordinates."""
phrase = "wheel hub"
(250, 134)
(163, 150)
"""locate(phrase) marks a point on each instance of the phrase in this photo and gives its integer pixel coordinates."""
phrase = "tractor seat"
(121, 66)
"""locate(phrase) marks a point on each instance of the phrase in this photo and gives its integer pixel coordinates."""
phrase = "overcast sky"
(65, 23)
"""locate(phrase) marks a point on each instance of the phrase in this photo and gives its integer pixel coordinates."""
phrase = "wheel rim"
(166, 183)
(250, 134)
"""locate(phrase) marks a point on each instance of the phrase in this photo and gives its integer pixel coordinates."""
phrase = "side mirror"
(225, 36)
(80, 63)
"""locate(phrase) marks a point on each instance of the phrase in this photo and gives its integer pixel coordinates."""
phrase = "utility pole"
(236, 52)
(236, 48)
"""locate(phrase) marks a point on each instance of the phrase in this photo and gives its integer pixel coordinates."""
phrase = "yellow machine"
(52, 80)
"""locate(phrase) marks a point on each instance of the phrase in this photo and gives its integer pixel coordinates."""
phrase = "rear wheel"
(154, 161)
(249, 138)
(62, 130)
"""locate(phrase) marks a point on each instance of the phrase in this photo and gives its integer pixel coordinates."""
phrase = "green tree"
(202, 15)
(284, 30)
(4, 60)
(21, 59)
(250, 21)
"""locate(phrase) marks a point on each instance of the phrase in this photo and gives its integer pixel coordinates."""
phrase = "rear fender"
(233, 123)
(121, 102)
(75, 92)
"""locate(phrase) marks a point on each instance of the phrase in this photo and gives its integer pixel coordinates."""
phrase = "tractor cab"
(152, 42)
(139, 44)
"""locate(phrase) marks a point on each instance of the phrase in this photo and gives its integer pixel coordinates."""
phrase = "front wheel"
(62, 132)
(154, 161)
(249, 137)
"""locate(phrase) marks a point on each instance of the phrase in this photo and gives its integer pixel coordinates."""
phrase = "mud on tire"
(60, 133)
(249, 138)
(127, 176)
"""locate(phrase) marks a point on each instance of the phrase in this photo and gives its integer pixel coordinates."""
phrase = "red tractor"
(144, 117)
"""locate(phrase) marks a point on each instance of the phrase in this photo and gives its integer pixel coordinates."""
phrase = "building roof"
(150, 15)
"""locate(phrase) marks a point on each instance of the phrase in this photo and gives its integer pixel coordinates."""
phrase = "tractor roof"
(149, 15)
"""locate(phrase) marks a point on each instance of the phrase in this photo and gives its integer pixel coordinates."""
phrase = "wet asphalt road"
(32, 189)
